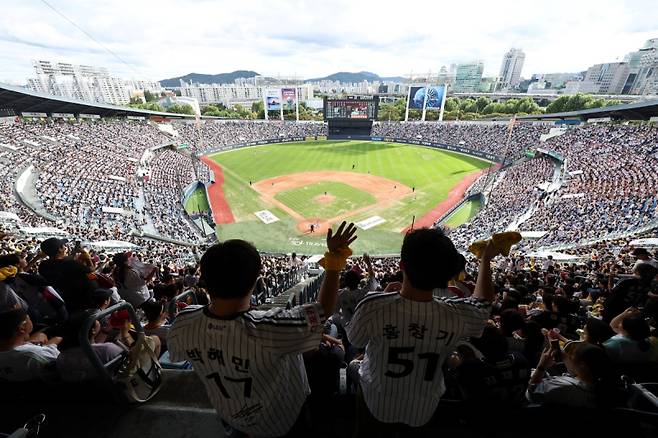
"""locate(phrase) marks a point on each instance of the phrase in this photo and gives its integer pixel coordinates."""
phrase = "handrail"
(85, 345)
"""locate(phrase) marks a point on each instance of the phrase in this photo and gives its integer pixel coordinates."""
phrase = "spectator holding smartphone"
(590, 381)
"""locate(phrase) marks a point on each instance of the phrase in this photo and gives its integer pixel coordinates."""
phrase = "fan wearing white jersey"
(250, 361)
(408, 334)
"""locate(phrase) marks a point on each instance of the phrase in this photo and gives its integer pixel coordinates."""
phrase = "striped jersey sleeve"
(282, 331)
(472, 311)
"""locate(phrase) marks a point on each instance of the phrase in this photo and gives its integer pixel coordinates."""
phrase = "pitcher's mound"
(324, 199)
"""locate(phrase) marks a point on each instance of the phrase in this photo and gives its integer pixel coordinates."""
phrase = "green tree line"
(483, 107)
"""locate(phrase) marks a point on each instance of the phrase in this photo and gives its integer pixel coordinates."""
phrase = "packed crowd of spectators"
(613, 189)
(556, 332)
(484, 137)
(601, 311)
(513, 192)
(225, 133)
(82, 168)
(170, 173)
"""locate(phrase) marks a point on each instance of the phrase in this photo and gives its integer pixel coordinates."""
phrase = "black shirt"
(71, 279)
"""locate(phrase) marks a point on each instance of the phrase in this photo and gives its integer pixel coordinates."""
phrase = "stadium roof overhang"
(631, 111)
(18, 100)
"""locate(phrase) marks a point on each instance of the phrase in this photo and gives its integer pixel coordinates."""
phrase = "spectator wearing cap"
(72, 279)
(131, 277)
(10, 266)
(102, 298)
(643, 256)
(24, 356)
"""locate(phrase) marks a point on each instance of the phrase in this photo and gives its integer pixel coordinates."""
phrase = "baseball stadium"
(248, 255)
(385, 188)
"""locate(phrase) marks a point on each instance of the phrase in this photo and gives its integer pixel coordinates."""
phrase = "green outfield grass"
(198, 202)
(465, 212)
(346, 198)
(432, 172)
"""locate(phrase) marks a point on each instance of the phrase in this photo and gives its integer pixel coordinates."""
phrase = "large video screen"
(351, 109)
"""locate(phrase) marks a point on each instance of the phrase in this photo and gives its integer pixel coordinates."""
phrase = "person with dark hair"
(407, 334)
(643, 256)
(501, 375)
(10, 266)
(591, 380)
(511, 324)
(250, 361)
(156, 315)
(630, 292)
(459, 286)
(64, 272)
(351, 294)
(24, 355)
(534, 341)
(597, 332)
(563, 317)
(631, 343)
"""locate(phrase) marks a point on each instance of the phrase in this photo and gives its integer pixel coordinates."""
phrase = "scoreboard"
(351, 108)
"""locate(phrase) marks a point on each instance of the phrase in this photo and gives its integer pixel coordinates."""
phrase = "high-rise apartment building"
(91, 84)
(231, 94)
(510, 70)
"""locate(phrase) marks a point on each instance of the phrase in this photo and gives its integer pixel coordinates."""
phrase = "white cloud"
(307, 38)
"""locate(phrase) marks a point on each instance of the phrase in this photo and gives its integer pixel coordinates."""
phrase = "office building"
(468, 77)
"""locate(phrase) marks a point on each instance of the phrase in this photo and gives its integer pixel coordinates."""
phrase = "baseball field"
(282, 197)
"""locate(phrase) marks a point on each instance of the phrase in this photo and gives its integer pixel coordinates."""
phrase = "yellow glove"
(335, 261)
(502, 241)
(8, 272)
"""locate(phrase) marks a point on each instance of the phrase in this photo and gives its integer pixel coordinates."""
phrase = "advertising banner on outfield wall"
(288, 97)
(273, 100)
(461, 149)
(416, 97)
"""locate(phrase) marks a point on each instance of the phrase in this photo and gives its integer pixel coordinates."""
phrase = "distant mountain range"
(201, 78)
(350, 77)
(228, 78)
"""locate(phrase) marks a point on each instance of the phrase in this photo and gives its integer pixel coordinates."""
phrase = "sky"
(313, 38)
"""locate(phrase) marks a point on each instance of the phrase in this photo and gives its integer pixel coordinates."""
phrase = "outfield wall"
(447, 147)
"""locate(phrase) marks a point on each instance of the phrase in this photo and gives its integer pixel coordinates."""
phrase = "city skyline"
(158, 40)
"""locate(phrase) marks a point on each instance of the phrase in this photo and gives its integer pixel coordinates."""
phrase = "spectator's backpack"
(140, 375)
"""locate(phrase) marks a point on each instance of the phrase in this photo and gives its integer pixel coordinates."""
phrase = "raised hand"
(343, 237)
